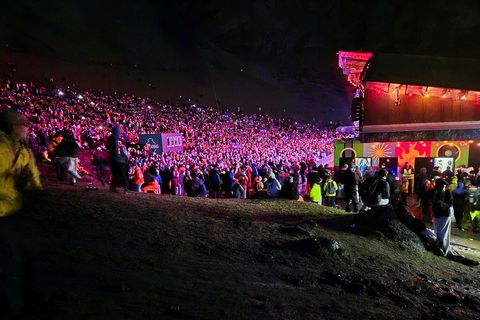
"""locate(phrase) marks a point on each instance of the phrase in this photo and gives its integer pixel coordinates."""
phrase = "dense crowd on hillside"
(225, 153)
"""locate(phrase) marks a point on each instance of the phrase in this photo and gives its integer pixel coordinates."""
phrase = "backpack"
(331, 188)
(368, 190)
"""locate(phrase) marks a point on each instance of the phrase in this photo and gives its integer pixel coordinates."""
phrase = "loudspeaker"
(426, 163)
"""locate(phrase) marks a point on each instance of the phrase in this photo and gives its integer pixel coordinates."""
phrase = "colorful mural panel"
(407, 151)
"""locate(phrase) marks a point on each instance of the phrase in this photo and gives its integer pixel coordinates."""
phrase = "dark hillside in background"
(277, 55)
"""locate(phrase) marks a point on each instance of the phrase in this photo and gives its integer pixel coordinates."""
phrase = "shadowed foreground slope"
(136, 256)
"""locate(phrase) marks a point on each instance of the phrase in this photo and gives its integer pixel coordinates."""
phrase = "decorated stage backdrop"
(404, 151)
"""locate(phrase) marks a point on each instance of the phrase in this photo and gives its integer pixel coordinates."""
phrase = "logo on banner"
(174, 141)
(153, 145)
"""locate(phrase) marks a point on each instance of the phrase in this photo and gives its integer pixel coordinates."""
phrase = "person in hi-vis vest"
(407, 172)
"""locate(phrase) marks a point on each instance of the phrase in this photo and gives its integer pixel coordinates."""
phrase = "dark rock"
(308, 224)
(312, 245)
(293, 230)
(383, 222)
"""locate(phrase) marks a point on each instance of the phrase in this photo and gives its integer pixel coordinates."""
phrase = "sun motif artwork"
(379, 150)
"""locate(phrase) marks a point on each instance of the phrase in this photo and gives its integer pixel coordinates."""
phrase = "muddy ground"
(101, 255)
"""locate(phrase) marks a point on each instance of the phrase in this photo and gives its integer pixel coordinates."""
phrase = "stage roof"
(424, 71)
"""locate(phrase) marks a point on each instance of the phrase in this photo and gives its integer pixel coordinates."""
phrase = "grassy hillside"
(101, 255)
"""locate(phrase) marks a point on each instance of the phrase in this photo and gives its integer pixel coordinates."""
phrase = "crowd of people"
(225, 154)
(440, 195)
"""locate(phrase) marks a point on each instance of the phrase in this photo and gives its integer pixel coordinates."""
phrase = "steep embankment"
(138, 256)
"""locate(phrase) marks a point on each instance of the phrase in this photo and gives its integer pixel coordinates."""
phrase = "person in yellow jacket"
(316, 193)
(404, 187)
(330, 189)
(408, 172)
(18, 173)
(18, 170)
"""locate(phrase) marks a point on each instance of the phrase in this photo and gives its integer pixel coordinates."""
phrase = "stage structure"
(410, 107)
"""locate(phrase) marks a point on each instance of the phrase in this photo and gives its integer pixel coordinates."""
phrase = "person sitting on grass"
(258, 184)
(151, 177)
(199, 187)
(273, 186)
(237, 189)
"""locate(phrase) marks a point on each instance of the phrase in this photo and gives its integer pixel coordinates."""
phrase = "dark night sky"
(278, 55)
